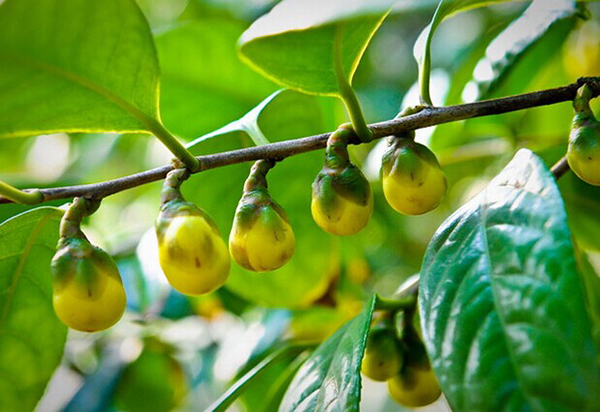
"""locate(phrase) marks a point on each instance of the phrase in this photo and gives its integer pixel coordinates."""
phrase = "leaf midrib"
(483, 213)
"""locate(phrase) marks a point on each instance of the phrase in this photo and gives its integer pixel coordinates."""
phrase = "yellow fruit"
(345, 217)
(87, 291)
(413, 182)
(414, 387)
(583, 153)
(583, 156)
(342, 201)
(191, 252)
(383, 356)
(265, 243)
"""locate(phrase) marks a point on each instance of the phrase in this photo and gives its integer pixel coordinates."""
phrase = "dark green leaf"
(294, 43)
(503, 312)
(31, 336)
(330, 379)
(76, 66)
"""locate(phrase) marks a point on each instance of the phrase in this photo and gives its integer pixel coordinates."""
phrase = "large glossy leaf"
(503, 311)
(76, 66)
(203, 84)
(330, 379)
(31, 336)
(296, 44)
(525, 46)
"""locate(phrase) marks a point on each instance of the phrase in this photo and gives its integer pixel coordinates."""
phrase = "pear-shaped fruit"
(413, 182)
(414, 387)
(342, 201)
(383, 355)
(191, 251)
(583, 153)
(261, 238)
(88, 294)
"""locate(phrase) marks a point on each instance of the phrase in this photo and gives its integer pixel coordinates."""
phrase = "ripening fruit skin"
(583, 153)
(414, 387)
(191, 252)
(88, 294)
(413, 182)
(337, 212)
(266, 242)
(383, 356)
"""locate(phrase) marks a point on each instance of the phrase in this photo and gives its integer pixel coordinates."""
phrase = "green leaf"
(330, 379)
(525, 46)
(422, 49)
(76, 66)
(295, 43)
(252, 375)
(31, 336)
(203, 84)
(503, 311)
(247, 123)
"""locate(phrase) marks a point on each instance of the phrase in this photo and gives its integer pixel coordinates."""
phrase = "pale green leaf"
(525, 46)
(295, 43)
(76, 66)
(31, 336)
(204, 84)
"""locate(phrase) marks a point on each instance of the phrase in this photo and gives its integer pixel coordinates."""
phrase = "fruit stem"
(171, 187)
(336, 153)
(70, 225)
(581, 102)
(257, 179)
(30, 197)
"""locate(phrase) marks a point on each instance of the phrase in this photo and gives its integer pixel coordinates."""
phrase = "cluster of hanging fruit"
(401, 361)
(89, 295)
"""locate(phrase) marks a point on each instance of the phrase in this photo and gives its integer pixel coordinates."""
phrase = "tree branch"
(430, 116)
(560, 168)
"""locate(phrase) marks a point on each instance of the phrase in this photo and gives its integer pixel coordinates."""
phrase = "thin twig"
(560, 168)
(430, 116)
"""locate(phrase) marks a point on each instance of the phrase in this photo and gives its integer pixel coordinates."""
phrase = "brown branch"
(428, 117)
(560, 168)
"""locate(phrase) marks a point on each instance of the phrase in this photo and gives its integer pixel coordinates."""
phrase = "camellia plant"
(445, 255)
